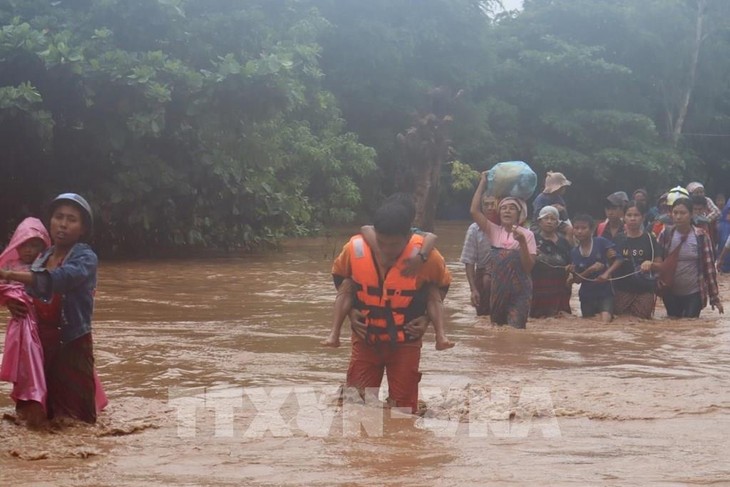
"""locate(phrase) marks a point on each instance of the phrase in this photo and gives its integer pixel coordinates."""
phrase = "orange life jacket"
(385, 303)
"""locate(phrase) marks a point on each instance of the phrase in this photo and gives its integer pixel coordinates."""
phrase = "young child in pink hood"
(22, 362)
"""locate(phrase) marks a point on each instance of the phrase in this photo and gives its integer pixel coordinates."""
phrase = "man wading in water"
(389, 319)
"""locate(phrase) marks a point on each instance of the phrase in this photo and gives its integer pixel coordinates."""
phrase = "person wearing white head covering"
(550, 288)
(513, 256)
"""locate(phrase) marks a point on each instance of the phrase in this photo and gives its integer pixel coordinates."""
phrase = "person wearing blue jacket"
(62, 282)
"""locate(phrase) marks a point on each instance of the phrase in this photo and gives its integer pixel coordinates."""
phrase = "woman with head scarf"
(513, 256)
(550, 290)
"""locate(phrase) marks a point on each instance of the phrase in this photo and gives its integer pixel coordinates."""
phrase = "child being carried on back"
(434, 305)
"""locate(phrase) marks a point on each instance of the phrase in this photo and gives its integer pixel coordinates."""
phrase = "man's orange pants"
(368, 362)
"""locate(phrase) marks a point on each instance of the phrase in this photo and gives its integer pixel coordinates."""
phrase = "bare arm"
(476, 206)
(527, 259)
(18, 276)
(429, 242)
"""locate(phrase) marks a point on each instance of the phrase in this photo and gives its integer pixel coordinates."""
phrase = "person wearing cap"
(512, 255)
(614, 207)
(555, 186)
(698, 189)
(550, 291)
(62, 282)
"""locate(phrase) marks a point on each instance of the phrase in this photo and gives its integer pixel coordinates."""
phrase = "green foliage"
(184, 125)
(231, 124)
(463, 177)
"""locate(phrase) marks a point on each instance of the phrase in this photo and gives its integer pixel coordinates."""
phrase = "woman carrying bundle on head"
(513, 256)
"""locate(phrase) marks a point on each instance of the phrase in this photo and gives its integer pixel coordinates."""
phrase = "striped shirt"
(477, 248)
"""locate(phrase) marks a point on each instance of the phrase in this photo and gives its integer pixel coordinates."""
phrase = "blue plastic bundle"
(512, 178)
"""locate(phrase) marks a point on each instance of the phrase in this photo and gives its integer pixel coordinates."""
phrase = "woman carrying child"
(513, 256)
(635, 285)
(62, 282)
(694, 279)
(22, 362)
(550, 293)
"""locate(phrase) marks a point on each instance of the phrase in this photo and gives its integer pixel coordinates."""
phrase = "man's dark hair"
(405, 199)
(585, 219)
(392, 218)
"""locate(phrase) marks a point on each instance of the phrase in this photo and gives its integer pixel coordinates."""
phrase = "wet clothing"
(75, 280)
(511, 286)
(550, 294)
(388, 303)
(634, 251)
(595, 297)
(22, 360)
(511, 289)
(687, 276)
(483, 278)
(635, 295)
(592, 307)
(69, 367)
(400, 361)
(639, 305)
(368, 363)
(603, 251)
(477, 252)
(64, 301)
(476, 249)
(688, 306)
(699, 260)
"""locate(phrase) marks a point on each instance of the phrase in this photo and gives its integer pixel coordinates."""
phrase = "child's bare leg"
(606, 317)
(343, 304)
(32, 412)
(435, 308)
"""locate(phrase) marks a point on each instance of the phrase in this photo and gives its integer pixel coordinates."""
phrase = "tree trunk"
(424, 149)
(678, 124)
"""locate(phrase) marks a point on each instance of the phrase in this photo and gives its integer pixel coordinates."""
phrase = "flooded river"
(216, 377)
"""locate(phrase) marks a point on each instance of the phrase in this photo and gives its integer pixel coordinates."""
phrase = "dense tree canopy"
(221, 124)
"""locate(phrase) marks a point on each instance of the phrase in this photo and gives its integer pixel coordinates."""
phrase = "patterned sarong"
(550, 295)
(511, 289)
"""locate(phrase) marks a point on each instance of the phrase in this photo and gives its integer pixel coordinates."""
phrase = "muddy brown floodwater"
(216, 377)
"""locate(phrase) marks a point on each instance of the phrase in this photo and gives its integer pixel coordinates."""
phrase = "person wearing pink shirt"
(513, 256)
